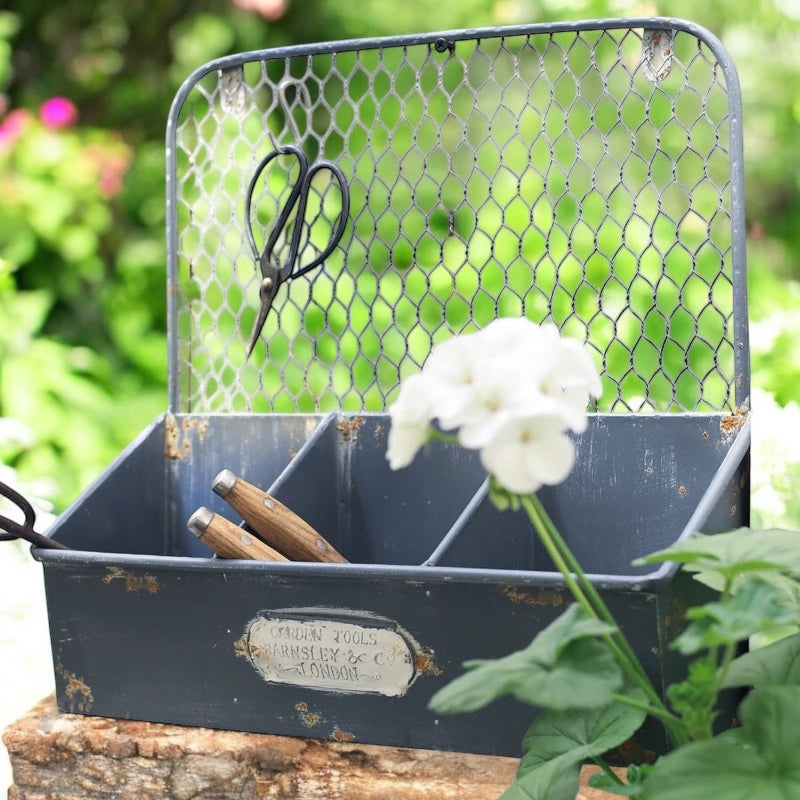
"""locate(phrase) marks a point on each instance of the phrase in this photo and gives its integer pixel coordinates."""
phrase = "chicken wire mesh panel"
(585, 175)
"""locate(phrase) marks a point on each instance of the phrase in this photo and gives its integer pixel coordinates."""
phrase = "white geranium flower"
(411, 417)
(511, 390)
(454, 370)
(528, 453)
(502, 393)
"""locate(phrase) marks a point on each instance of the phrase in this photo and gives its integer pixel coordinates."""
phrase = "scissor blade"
(267, 292)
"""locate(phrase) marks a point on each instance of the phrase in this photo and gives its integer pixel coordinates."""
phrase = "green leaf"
(585, 733)
(759, 760)
(563, 667)
(23, 315)
(776, 664)
(757, 606)
(633, 788)
(558, 779)
(732, 553)
(694, 698)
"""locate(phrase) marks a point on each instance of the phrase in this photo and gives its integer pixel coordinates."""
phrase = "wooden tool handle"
(273, 521)
(228, 540)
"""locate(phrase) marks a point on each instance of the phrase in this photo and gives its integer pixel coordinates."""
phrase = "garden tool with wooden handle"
(276, 524)
(228, 540)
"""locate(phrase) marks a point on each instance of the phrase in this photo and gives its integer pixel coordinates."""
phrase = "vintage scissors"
(9, 529)
(272, 273)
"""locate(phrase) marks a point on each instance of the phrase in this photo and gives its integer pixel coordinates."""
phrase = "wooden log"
(57, 756)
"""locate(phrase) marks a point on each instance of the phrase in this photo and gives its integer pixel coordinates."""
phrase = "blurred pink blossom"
(58, 112)
(111, 162)
(12, 125)
(269, 9)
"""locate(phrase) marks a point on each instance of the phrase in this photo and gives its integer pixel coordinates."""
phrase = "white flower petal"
(410, 416)
(529, 453)
(404, 442)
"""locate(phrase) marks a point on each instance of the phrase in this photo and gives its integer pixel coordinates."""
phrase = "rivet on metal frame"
(233, 94)
(657, 49)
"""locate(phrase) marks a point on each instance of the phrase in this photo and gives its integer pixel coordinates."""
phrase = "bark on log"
(58, 756)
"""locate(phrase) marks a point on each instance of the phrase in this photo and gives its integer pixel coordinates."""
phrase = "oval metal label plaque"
(347, 653)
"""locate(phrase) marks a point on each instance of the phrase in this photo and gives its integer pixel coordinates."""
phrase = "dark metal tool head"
(10, 529)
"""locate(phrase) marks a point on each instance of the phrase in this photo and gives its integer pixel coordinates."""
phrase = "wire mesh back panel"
(585, 174)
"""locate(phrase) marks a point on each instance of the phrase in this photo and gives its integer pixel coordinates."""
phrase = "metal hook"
(303, 95)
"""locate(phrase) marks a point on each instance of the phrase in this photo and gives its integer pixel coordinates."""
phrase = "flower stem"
(654, 711)
(601, 762)
(442, 436)
(535, 513)
(589, 598)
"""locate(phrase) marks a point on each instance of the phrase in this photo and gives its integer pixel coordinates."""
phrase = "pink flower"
(111, 163)
(58, 112)
(269, 9)
(12, 126)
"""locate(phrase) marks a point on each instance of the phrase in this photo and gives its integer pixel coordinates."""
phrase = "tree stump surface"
(57, 756)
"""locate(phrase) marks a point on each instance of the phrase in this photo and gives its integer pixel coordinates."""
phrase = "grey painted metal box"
(586, 174)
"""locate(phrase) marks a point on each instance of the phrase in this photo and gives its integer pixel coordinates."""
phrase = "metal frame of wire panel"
(587, 174)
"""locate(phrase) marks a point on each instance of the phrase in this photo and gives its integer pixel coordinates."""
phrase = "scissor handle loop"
(299, 195)
(341, 222)
(281, 150)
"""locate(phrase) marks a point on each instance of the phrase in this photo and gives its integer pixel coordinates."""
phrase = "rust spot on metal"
(342, 736)
(172, 448)
(734, 422)
(178, 440)
(79, 695)
(244, 648)
(682, 491)
(349, 427)
(733, 510)
(543, 597)
(200, 426)
(632, 751)
(424, 664)
(133, 583)
(308, 718)
(675, 619)
(240, 647)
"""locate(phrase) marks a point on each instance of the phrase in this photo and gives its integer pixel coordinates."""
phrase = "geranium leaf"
(774, 665)
(759, 761)
(732, 553)
(563, 667)
(757, 606)
(583, 732)
(694, 698)
(558, 779)
(633, 787)
(585, 675)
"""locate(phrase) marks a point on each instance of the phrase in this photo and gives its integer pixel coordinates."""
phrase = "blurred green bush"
(82, 276)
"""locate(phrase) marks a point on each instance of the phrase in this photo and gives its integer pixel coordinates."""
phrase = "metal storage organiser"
(589, 174)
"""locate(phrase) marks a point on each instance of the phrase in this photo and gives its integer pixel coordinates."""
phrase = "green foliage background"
(82, 254)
